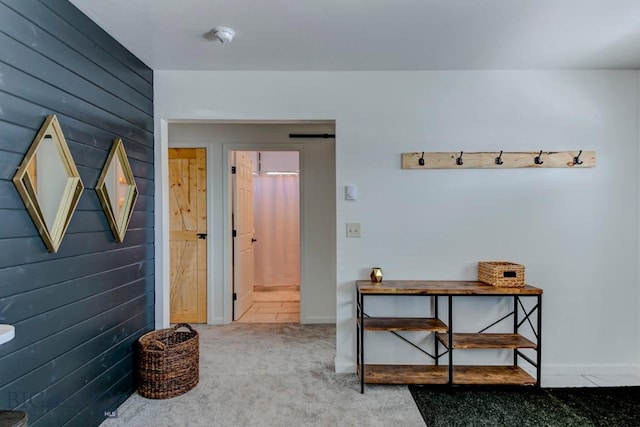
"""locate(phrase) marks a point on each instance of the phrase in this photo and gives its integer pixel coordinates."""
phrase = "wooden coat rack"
(499, 160)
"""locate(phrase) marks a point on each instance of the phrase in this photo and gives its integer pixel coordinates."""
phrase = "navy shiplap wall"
(78, 312)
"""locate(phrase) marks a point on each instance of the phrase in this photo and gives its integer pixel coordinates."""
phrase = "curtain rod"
(276, 173)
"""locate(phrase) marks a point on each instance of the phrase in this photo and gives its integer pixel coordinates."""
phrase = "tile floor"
(273, 306)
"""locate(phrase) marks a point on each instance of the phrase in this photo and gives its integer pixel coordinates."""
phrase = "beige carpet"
(272, 375)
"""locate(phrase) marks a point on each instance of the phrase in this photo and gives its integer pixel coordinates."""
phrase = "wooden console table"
(450, 374)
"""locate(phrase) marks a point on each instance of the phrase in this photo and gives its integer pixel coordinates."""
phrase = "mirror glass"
(49, 183)
(117, 190)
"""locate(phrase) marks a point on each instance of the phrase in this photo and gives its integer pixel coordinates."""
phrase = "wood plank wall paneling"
(79, 312)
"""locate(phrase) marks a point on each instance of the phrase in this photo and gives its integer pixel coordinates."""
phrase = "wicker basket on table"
(168, 362)
(502, 274)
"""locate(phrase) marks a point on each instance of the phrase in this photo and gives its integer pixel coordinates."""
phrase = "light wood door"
(188, 245)
(244, 231)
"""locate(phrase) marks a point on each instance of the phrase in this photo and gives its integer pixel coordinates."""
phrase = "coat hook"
(576, 159)
(459, 159)
(499, 159)
(537, 160)
(421, 160)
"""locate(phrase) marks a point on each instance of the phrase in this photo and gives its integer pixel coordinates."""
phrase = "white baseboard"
(591, 369)
(345, 368)
(547, 370)
(318, 319)
(216, 321)
(307, 320)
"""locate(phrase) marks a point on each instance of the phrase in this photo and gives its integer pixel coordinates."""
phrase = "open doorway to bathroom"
(273, 296)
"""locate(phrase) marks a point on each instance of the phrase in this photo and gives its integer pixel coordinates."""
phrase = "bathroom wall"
(276, 207)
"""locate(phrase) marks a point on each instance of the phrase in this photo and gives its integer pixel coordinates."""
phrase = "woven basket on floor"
(168, 362)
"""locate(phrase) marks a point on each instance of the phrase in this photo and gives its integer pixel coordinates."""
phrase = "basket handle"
(157, 345)
(183, 325)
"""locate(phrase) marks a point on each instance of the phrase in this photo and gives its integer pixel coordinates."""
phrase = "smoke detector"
(223, 34)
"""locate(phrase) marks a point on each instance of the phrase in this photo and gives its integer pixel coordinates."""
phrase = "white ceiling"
(375, 34)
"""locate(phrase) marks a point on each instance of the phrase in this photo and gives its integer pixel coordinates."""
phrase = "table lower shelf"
(405, 374)
(432, 374)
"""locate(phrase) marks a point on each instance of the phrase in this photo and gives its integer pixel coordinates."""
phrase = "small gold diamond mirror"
(49, 183)
(117, 190)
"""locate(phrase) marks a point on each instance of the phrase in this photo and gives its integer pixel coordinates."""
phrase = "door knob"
(253, 240)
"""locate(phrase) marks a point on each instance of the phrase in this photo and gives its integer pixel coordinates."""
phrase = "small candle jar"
(376, 274)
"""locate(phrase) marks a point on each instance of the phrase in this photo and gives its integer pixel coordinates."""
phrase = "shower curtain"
(276, 208)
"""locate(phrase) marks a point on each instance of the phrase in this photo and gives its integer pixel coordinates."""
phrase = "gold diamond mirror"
(49, 183)
(117, 190)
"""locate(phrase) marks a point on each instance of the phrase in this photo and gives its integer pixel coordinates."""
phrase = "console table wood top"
(440, 287)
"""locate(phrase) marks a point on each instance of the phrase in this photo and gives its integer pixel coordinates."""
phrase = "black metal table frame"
(537, 331)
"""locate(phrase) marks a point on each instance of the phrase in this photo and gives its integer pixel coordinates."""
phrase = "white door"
(243, 240)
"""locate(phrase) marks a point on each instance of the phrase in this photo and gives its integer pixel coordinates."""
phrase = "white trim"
(549, 370)
(638, 243)
(215, 321)
(345, 368)
(317, 319)
(161, 227)
(591, 369)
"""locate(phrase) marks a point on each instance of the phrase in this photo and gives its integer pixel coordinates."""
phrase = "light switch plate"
(353, 229)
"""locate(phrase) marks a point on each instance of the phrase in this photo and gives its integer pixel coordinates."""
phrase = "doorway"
(274, 241)
(317, 210)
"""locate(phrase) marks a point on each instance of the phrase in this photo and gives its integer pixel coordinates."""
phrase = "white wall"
(276, 161)
(575, 230)
(280, 161)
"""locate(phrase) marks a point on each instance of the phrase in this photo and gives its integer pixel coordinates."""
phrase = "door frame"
(218, 292)
(227, 207)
